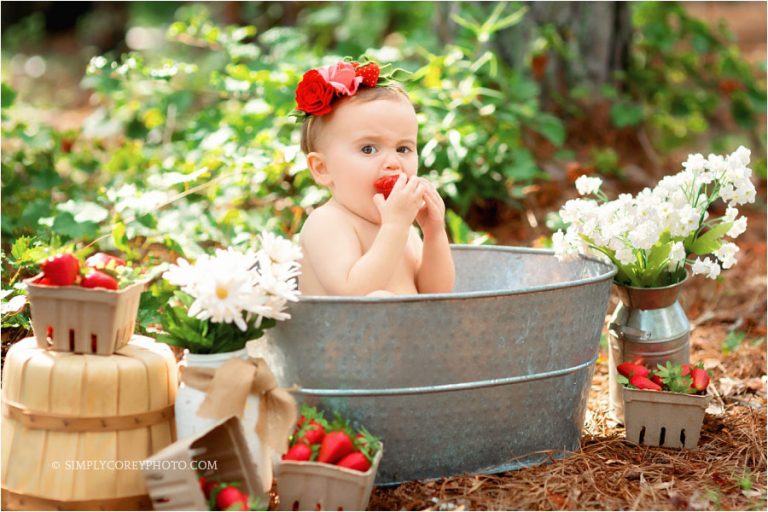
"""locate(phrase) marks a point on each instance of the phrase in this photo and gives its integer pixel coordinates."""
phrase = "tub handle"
(625, 331)
(442, 388)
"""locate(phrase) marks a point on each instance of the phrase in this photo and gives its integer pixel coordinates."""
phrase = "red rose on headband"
(314, 94)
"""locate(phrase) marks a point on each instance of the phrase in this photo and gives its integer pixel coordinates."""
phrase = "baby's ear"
(316, 164)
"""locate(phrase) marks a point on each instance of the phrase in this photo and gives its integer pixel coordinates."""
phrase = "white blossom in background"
(739, 227)
(587, 185)
(676, 255)
(236, 287)
(628, 229)
(727, 254)
(707, 267)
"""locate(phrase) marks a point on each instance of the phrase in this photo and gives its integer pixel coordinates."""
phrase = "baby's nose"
(392, 162)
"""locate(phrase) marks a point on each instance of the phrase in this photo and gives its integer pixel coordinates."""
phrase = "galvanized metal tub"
(480, 380)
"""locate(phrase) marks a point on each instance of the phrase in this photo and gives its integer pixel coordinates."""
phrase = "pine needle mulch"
(726, 472)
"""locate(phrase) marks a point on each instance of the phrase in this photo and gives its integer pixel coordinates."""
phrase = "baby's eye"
(368, 149)
(404, 149)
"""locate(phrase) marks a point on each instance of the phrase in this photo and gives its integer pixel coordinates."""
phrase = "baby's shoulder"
(326, 219)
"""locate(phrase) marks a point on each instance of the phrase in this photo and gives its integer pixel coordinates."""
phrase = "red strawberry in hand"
(97, 279)
(700, 379)
(231, 498)
(355, 460)
(641, 382)
(299, 452)
(336, 445)
(61, 270)
(384, 184)
(370, 74)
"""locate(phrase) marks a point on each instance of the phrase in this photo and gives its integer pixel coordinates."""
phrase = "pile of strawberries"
(65, 270)
(228, 496)
(335, 443)
(673, 377)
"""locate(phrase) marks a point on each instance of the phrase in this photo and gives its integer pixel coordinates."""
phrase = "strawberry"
(311, 433)
(44, 281)
(335, 446)
(630, 369)
(641, 382)
(298, 452)
(98, 279)
(209, 486)
(61, 270)
(231, 498)
(102, 259)
(384, 184)
(655, 378)
(355, 460)
(685, 369)
(370, 74)
(700, 379)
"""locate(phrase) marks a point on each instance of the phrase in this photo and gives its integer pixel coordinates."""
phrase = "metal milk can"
(648, 324)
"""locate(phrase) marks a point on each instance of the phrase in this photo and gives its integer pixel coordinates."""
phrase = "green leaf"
(8, 96)
(118, 236)
(625, 114)
(709, 242)
(20, 247)
(550, 127)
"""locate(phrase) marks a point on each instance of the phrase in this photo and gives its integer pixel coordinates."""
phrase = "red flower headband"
(319, 88)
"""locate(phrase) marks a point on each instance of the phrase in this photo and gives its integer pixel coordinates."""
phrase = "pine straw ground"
(726, 472)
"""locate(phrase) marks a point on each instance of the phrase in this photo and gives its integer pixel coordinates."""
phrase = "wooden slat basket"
(76, 427)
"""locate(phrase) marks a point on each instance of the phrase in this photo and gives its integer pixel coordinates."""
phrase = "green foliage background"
(189, 145)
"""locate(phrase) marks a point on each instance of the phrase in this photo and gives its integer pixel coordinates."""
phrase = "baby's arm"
(436, 272)
(330, 242)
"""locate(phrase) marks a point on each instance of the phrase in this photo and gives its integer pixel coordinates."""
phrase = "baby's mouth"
(384, 184)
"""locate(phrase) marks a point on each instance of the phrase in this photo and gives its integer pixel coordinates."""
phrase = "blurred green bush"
(190, 145)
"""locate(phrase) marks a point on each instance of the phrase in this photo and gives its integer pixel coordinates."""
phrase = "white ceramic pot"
(188, 401)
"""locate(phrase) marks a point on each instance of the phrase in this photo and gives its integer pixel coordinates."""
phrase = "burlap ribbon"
(226, 390)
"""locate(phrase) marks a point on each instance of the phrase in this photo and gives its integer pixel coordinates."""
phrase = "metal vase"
(648, 324)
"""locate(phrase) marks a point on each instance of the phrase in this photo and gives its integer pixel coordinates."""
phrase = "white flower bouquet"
(651, 236)
(224, 300)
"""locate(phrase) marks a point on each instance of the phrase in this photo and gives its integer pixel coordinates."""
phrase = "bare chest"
(404, 278)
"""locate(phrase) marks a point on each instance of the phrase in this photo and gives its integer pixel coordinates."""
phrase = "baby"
(361, 128)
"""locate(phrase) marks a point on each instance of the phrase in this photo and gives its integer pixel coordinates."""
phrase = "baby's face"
(364, 141)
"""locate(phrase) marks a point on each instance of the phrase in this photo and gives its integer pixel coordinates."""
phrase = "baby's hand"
(403, 203)
(431, 217)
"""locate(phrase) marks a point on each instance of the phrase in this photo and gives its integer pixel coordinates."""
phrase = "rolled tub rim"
(607, 275)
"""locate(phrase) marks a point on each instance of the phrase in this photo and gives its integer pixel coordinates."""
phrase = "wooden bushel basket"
(83, 320)
(77, 427)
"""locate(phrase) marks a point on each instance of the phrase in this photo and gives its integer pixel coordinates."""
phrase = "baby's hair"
(313, 125)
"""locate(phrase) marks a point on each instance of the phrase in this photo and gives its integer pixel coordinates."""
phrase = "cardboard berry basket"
(318, 486)
(220, 453)
(661, 418)
(83, 320)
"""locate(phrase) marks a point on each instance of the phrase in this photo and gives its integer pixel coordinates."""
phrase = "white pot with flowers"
(656, 239)
(223, 301)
